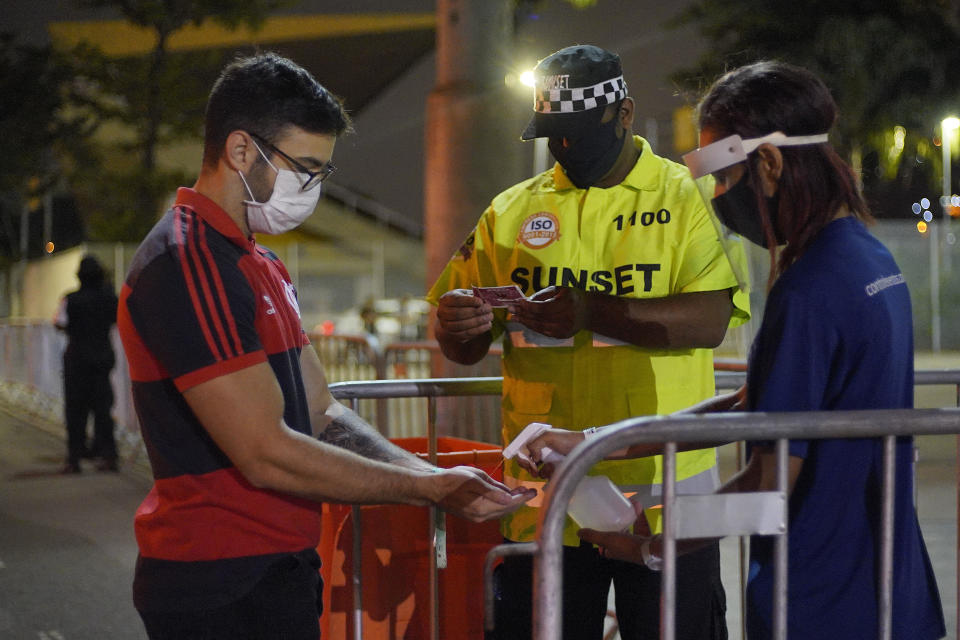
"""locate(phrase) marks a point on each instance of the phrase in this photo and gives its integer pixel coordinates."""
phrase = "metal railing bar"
(499, 551)
(357, 578)
(417, 387)
(724, 427)
(936, 376)
(668, 583)
(781, 548)
(491, 385)
(885, 622)
(437, 528)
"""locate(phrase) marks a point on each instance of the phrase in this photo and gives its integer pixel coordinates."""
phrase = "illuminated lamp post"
(948, 127)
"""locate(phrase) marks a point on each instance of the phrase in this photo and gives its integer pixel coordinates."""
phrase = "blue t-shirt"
(837, 333)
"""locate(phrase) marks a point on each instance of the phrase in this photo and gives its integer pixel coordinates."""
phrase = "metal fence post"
(668, 582)
(437, 531)
(781, 548)
(727, 427)
(356, 578)
(886, 538)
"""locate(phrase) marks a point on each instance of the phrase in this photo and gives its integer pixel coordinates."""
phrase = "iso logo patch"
(539, 230)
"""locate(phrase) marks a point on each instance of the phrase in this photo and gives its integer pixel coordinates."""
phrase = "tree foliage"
(888, 64)
(39, 115)
(158, 98)
(45, 125)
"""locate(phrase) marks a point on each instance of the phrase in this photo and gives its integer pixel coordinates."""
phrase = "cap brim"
(557, 125)
(530, 132)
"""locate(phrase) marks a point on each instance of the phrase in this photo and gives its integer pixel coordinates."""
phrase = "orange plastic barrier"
(395, 566)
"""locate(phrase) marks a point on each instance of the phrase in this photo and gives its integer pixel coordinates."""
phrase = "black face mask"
(737, 210)
(591, 156)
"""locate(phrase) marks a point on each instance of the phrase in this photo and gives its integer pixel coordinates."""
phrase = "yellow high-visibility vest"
(648, 237)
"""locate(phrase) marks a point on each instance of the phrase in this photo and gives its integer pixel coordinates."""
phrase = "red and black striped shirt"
(201, 300)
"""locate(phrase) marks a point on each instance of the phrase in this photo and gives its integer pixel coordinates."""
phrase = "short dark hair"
(760, 98)
(264, 94)
(91, 272)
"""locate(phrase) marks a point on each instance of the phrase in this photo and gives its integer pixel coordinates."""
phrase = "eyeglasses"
(313, 177)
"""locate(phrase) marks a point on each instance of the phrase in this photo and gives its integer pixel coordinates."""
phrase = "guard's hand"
(557, 312)
(463, 316)
(740, 399)
(625, 546)
(472, 494)
(559, 440)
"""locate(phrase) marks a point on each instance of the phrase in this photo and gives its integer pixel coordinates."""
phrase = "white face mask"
(287, 207)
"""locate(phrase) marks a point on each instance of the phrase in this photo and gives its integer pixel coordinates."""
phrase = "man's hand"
(462, 316)
(472, 494)
(625, 546)
(557, 312)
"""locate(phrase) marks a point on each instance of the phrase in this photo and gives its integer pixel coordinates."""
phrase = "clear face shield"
(716, 156)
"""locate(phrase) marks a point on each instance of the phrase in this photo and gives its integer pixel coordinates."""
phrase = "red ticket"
(499, 296)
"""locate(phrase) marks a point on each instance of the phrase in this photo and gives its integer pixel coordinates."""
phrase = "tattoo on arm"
(350, 431)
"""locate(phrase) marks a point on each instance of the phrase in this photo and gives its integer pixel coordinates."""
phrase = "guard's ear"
(625, 113)
(770, 167)
(240, 152)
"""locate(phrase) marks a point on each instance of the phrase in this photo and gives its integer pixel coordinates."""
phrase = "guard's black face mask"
(738, 211)
(591, 156)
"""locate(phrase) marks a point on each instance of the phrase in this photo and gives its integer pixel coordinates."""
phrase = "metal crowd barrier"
(353, 358)
(724, 427)
(30, 365)
(431, 389)
(435, 388)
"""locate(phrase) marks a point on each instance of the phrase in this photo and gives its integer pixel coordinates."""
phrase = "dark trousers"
(701, 601)
(284, 605)
(86, 390)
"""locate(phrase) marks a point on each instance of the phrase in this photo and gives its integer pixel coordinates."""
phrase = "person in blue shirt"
(837, 334)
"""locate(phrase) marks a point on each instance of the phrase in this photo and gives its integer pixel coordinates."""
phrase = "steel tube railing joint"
(499, 551)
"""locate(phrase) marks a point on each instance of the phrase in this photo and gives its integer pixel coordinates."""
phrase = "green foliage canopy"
(888, 64)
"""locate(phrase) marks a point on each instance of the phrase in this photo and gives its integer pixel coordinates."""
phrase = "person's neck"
(842, 212)
(216, 186)
(629, 154)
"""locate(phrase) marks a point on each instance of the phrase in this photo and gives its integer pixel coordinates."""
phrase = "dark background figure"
(86, 315)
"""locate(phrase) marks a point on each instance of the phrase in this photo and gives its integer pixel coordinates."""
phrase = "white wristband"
(652, 562)
(590, 433)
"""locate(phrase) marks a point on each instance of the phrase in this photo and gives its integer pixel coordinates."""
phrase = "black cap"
(571, 89)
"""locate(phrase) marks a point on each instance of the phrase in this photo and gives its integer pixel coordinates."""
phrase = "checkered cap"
(571, 89)
(580, 98)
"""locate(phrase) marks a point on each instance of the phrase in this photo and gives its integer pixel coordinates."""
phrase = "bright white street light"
(948, 129)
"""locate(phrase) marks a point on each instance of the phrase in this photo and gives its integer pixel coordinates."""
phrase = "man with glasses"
(628, 289)
(244, 437)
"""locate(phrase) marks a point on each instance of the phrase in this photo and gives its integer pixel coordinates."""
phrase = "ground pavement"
(67, 549)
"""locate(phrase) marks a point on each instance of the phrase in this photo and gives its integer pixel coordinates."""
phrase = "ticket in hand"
(499, 296)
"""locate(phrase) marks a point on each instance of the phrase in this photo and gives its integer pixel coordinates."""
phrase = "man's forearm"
(349, 431)
(683, 321)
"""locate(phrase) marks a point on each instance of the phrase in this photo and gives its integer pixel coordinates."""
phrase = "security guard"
(630, 285)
